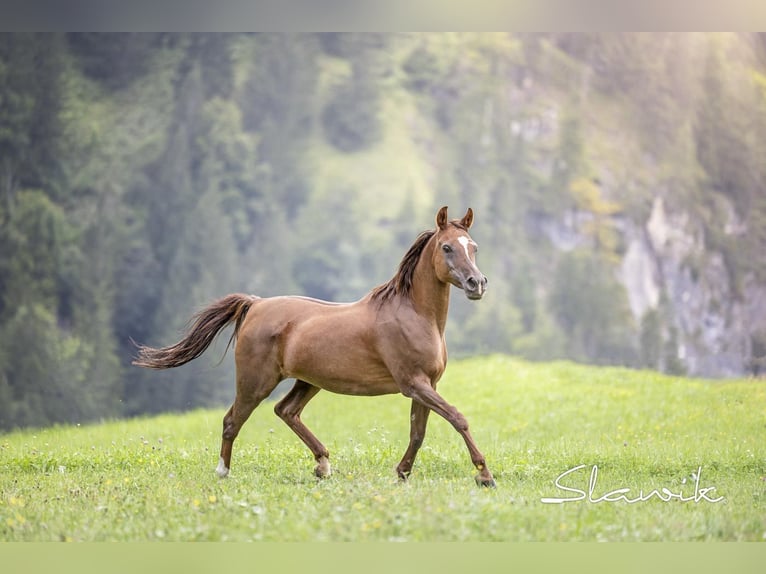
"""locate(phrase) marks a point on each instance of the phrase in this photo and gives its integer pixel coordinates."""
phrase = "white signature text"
(623, 494)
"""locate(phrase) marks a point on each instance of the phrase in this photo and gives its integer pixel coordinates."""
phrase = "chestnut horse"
(390, 341)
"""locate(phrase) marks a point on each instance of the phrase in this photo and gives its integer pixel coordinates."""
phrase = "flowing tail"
(206, 325)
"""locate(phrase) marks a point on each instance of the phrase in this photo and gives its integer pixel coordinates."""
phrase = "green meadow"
(676, 459)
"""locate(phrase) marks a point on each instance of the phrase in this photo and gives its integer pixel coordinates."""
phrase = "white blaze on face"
(465, 242)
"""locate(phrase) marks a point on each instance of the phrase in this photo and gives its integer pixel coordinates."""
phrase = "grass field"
(153, 478)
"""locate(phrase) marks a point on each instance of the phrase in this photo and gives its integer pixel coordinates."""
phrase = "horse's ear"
(467, 220)
(441, 218)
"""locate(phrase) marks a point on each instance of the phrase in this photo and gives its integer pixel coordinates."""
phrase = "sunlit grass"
(153, 479)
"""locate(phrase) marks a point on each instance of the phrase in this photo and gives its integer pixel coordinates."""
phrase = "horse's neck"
(430, 296)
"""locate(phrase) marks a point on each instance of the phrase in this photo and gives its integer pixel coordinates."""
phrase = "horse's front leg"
(420, 391)
(418, 420)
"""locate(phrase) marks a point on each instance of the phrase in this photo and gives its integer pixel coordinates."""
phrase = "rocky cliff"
(718, 329)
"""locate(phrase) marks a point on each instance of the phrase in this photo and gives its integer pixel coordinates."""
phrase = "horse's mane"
(401, 283)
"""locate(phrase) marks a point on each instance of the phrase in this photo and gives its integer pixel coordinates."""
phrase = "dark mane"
(401, 282)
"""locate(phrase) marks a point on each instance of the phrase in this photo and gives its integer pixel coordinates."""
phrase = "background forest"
(618, 183)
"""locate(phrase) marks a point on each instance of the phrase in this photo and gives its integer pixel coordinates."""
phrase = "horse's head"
(455, 255)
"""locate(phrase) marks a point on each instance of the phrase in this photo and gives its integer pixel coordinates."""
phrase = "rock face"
(666, 265)
(640, 275)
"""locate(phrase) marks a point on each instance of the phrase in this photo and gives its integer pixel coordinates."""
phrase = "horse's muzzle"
(475, 287)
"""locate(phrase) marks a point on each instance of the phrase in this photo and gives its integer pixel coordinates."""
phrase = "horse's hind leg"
(289, 410)
(251, 390)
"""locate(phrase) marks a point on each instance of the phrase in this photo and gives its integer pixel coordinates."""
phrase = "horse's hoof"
(322, 469)
(486, 482)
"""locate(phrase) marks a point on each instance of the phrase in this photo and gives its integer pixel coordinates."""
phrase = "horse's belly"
(360, 387)
(338, 361)
(339, 374)
(352, 372)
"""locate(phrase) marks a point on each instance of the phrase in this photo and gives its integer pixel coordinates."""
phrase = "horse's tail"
(206, 325)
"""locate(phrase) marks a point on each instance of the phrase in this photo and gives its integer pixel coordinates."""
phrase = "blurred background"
(618, 182)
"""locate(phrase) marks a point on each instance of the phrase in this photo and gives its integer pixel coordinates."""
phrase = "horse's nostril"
(472, 284)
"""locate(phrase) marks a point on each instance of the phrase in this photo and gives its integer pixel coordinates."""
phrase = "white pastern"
(221, 469)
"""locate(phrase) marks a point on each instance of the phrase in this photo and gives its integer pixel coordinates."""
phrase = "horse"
(390, 341)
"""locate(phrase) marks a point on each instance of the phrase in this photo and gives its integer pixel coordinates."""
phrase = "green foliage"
(45, 372)
(592, 310)
(142, 175)
(348, 45)
(422, 69)
(34, 241)
(31, 67)
(152, 479)
(278, 101)
(350, 118)
(719, 147)
(58, 360)
(568, 164)
(225, 161)
(114, 60)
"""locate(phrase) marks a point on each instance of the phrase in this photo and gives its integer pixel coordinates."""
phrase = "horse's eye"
(446, 248)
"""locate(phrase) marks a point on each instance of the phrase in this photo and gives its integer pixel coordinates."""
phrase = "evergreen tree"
(142, 175)
(351, 118)
(592, 309)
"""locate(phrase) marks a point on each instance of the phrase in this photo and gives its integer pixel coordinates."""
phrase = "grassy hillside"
(153, 479)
